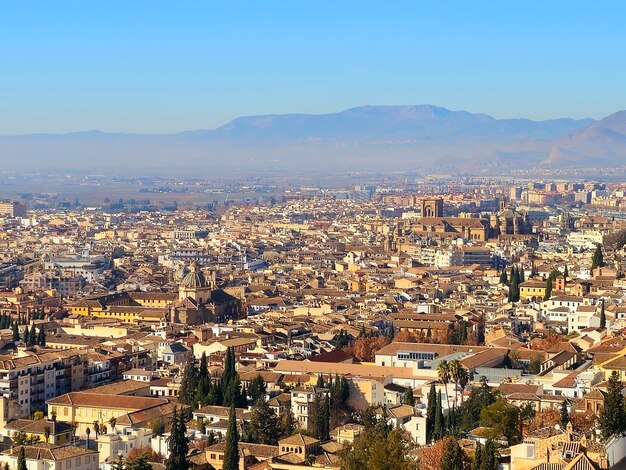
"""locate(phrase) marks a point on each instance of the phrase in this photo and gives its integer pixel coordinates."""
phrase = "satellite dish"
(557, 427)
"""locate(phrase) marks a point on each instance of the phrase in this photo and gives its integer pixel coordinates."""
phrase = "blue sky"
(153, 66)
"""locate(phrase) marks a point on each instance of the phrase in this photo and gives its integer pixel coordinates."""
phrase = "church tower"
(432, 207)
(195, 286)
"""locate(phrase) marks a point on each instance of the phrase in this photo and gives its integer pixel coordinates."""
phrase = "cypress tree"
(548, 293)
(231, 452)
(598, 258)
(233, 395)
(430, 412)
(320, 381)
(325, 434)
(452, 458)
(489, 456)
(503, 278)
(41, 340)
(32, 336)
(478, 457)
(566, 273)
(16, 333)
(26, 339)
(228, 374)
(564, 414)
(178, 444)
(612, 417)
(439, 420)
(514, 289)
(203, 370)
(189, 382)
(21, 460)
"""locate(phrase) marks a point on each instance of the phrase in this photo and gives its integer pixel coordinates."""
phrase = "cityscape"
(214, 255)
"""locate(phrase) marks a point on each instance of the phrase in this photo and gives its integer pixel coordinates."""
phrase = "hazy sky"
(168, 66)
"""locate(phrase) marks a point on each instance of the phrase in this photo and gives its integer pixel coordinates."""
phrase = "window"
(78, 461)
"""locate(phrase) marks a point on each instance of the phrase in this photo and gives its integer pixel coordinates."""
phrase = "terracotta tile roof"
(298, 440)
(43, 451)
(100, 400)
(119, 388)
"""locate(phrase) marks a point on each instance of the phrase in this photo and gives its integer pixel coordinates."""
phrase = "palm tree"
(96, 428)
(455, 369)
(443, 369)
(112, 422)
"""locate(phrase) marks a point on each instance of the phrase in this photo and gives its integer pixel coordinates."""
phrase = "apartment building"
(28, 379)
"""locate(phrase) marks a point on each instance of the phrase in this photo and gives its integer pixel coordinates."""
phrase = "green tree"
(119, 463)
(231, 451)
(319, 420)
(264, 425)
(598, 258)
(408, 398)
(490, 455)
(564, 414)
(430, 411)
(203, 370)
(504, 280)
(189, 382)
(514, 287)
(287, 423)
(233, 395)
(140, 463)
(21, 460)
(502, 419)
(41, 340)
(378, 449)
(257, 389)
(178, 445)
(612, 417)
(548, 293)
(452, 458)
(228, 374)
(438, 428)
(16, 333)
(32, 337)
(478, 457)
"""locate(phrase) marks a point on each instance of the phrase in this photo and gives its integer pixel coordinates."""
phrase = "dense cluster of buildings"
(380, 289)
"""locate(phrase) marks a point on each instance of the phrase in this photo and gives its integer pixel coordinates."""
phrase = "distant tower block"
(432, 207)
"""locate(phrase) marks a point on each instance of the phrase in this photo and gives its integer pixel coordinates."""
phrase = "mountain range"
(364, 138)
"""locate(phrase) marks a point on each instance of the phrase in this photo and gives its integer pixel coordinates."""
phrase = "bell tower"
(432, 207)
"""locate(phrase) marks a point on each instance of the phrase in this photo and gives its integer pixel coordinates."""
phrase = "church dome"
(194, 279)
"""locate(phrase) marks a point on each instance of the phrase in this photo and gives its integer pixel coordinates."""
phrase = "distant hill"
(363, 138)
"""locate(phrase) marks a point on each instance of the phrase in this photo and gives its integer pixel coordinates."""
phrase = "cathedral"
(200, 301)
(509, 221)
